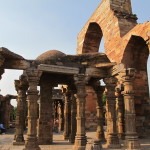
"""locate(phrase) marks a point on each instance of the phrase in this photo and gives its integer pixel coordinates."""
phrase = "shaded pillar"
(132, 141)
(80, 139)
(32, 96)
(112, 138)
(21, 88)
(99, 108)
(66, 113)
(61, 116)
(73, 118)
(45, 122)
(120, 112)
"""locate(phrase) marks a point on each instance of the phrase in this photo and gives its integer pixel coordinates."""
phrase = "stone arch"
(136, 51)
(93, 38)
(136, 56)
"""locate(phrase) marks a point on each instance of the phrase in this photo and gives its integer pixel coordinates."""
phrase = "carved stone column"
(100, 120)
(32, 97)
(112, 138)
(73, 118)
(131, 137)
(66, 113)
(45, 122)
(80, 139)
(21, 88)
(120, 112)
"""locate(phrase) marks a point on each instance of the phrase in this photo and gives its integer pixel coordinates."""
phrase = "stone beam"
(106, 65)
(116, 69)
(58, 69)
(96, 72)
(16, 64)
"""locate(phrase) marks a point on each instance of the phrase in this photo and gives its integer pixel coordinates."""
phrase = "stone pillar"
(131, 137)
(32, 97)
(100, 117)
(21, 88)
(80, 139)
(61, 116)
(120, 112)
(73, 118)
(112, 138)
(66, 113)
(45, 122)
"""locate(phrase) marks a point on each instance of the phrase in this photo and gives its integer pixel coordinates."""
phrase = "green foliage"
(104, 99)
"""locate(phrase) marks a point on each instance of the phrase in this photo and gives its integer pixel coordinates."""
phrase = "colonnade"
(74, 112)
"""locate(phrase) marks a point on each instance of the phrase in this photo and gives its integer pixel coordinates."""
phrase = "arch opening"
(93, 38)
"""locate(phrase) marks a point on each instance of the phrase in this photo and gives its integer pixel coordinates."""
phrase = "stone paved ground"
(59, 143)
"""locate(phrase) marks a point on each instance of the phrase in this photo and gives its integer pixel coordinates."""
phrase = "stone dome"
(51, 55)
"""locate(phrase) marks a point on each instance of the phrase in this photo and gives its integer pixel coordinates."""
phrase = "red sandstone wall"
(125, 42)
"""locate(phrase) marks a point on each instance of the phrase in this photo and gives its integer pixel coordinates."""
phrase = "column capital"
(128, 73)
(81, 79)
(21, 84)
(110, 81)
(128, 76)
(33, 75)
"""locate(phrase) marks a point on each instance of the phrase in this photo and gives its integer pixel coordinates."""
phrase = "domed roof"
(51, 55)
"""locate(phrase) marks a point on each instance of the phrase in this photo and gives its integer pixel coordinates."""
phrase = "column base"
(65, 137)
(121, 136)
(78, 147)
(80, 143)
(18, 143)
(100, 136)
(45, 141)
(33, 148)
(113, 142)
(132, 143)
(31, 144)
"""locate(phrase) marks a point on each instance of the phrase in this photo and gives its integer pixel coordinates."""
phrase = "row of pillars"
(78, 111)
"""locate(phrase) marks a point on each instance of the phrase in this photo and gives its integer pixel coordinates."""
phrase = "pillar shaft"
(61, 116)
(131, 137)
(73, 118)
(32, 97)
(99, 108)
(120, 113)
(112, 138)
(80, 139)
(66, 114)
(21, 88)
(45, 122)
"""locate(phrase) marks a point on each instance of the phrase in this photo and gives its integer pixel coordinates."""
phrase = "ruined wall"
(125, 42)
(91, 121)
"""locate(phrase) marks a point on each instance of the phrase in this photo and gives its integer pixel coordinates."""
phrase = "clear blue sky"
(31, 27)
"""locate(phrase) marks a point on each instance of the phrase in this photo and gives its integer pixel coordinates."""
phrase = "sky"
(31, 27)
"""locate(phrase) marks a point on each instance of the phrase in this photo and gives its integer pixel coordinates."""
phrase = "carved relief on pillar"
(120, 112)
(21, 88)
(112, 138)
(131, 137)
(80, 139)
(32, 97)
(100, 114)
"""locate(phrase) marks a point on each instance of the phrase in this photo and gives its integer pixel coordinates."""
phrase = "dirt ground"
(58, 144)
